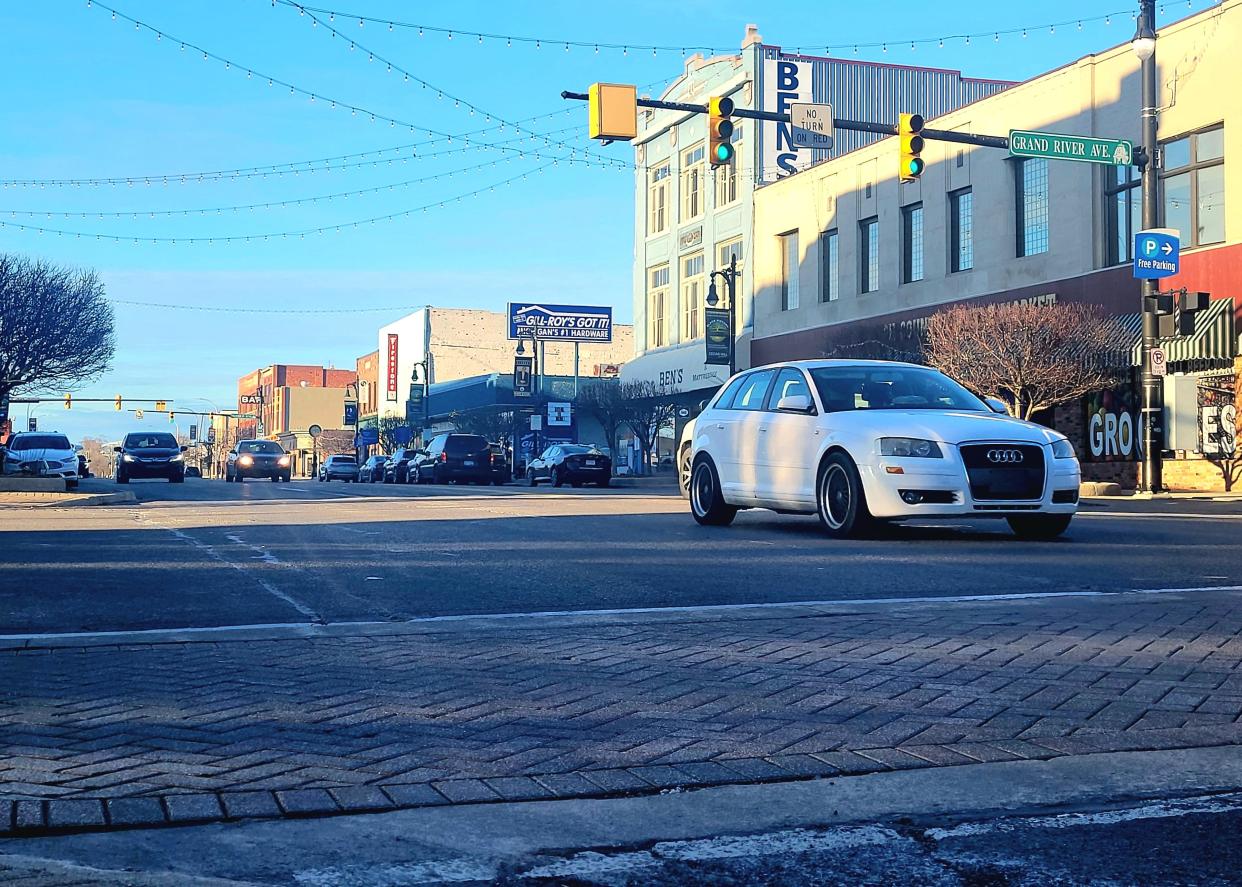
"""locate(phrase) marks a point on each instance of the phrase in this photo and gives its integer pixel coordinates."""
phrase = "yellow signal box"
(612, 111)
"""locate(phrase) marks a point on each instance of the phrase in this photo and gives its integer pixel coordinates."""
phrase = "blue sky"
(88, 96)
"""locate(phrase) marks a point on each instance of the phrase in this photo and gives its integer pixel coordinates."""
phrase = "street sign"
(1159, 362)
(571, 323)
(193, 433)
(536, 423)
(523, 378)
(351, 414)
(368, 436)
(32, 424)
(1157, 253)
(716, 325)
(402, 435)
(314, 430)
(812, 125)
(137, 414)
(1056, 146)
(211, 435)
(559, 415)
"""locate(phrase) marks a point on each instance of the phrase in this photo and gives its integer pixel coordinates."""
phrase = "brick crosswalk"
(100, 736)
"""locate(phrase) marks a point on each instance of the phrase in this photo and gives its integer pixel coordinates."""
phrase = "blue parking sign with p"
(1157, 253)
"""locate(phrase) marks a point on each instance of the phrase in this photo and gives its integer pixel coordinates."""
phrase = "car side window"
(789, 383)
(725, 400)
(753, 391)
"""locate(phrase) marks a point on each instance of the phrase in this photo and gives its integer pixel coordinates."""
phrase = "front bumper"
(260, 470)
(41, 468)
(162, 468)
(942, 488)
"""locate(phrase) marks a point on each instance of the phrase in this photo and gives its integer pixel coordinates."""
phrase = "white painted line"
(706, 609)
(1170, 515)
(1157, 810)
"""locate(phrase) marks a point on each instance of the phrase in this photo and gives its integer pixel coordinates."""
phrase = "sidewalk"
(41, 499)
(160, 728)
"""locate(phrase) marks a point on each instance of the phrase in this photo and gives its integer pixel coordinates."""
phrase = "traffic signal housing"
(612, 112)
(909, 129)
(68, 401)
(118, 403)
(720, 150)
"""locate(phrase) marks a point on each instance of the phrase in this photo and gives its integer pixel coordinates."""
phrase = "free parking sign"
(1157, 253)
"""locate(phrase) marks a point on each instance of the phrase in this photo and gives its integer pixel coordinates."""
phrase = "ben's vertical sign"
(785, 83)
(392, 366)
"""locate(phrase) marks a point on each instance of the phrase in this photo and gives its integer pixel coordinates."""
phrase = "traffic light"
(118, 403)
(909, 127)
(160, 406)
(172, 417)
(612, 110)
(68, 401)
(719, 130)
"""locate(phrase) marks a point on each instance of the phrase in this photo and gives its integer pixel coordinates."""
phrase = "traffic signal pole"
(887, 129)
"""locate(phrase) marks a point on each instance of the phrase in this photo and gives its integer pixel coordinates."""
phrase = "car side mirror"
(996, 405)
(185, 449)
(794, 403)
(77, 448)
(116, 449)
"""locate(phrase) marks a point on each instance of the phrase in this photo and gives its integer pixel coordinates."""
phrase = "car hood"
(41, 455)
(946, 426)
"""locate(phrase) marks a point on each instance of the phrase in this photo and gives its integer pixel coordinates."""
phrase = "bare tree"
(604, 402)
(494, 423)
(55, 326)
(388, 426)
(335, 441)
(887, 341)
(1030, 356)
(646, 409)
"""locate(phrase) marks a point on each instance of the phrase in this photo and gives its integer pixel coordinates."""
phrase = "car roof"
(824, 363)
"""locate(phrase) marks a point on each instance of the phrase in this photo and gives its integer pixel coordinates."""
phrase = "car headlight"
(910, 446)
(1063, 449)
(283, 461)
(127, 458)
(245, 460)
(180, 457)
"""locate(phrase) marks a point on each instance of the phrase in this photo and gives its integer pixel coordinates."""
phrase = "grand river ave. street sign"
(1056, 146)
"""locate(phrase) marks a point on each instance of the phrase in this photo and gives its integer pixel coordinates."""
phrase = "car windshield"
(891, 388)
(150, 441)
(465, 443)
(259, 446)
(40, 442)
(345, 458)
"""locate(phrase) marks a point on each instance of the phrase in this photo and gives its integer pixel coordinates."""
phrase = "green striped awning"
(1214, 338)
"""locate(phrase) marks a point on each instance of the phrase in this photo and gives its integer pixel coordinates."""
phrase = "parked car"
(341, 466)
(859, 441)
(502, 471)
(574, 464)
(41, 454)
(257, 458)
(397, 468)
(464, 458)
(84, 470)
(372, 470)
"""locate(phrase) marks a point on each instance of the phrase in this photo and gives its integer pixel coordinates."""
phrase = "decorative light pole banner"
(568, 323)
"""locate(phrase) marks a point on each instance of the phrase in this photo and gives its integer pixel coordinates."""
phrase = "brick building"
(289, 398)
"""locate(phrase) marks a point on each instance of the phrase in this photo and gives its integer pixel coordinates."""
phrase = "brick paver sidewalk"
(481, 710)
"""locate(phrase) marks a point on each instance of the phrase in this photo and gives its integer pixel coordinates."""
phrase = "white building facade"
(691, 219)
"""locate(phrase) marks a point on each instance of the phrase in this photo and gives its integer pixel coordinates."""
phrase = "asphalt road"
(211, 554)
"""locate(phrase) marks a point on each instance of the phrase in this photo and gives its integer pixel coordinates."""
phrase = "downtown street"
(329, 649)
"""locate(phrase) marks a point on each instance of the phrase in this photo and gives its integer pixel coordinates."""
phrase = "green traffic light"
(916, 166)
(724, 152)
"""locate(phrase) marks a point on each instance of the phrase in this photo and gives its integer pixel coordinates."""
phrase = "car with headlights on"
(40, 454)
(856, 442)
(258, 458)
(150, 454)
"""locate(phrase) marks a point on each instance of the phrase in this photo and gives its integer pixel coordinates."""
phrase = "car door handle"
(763, 428)
(720, 426)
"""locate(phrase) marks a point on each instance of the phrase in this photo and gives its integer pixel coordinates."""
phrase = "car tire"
(122, 477)
(606, 482)
(530, 478)
(1039, 526)
(575, 484)
(839, 498)
(238, 479)
(684, 472)
(707, 503)
(176, 478)
(557, 480)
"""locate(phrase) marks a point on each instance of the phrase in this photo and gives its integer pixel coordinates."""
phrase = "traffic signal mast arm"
(888, 129)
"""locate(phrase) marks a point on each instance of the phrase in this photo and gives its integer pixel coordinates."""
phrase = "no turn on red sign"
(1159, 362)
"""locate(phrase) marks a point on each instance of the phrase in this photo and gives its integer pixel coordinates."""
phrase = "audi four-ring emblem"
(1002, 457)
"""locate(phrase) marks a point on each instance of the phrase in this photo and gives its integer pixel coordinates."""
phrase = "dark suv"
(150, 454)
(257, 458)
(465, 458)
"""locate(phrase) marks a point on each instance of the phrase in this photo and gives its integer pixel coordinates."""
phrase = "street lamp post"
(1144, 46)
(729, 276)
(535, 385)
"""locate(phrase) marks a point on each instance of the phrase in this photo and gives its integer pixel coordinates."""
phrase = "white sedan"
(860, 441)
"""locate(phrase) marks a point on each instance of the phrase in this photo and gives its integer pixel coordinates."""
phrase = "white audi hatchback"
(861, 441)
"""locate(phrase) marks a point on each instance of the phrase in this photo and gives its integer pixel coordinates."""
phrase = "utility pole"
(1144, 46)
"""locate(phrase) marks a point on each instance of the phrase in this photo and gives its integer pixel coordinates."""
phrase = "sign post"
(1055, 146)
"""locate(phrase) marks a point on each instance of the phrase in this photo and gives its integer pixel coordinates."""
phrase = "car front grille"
(1004, 471)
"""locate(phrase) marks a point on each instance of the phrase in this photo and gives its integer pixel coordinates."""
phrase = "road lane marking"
(303, 629)
(1171, 515)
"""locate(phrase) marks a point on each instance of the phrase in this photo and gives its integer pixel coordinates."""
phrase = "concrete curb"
(31, 816)
(65, 500)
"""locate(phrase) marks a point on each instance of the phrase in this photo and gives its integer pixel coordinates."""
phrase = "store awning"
(1214, 340)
